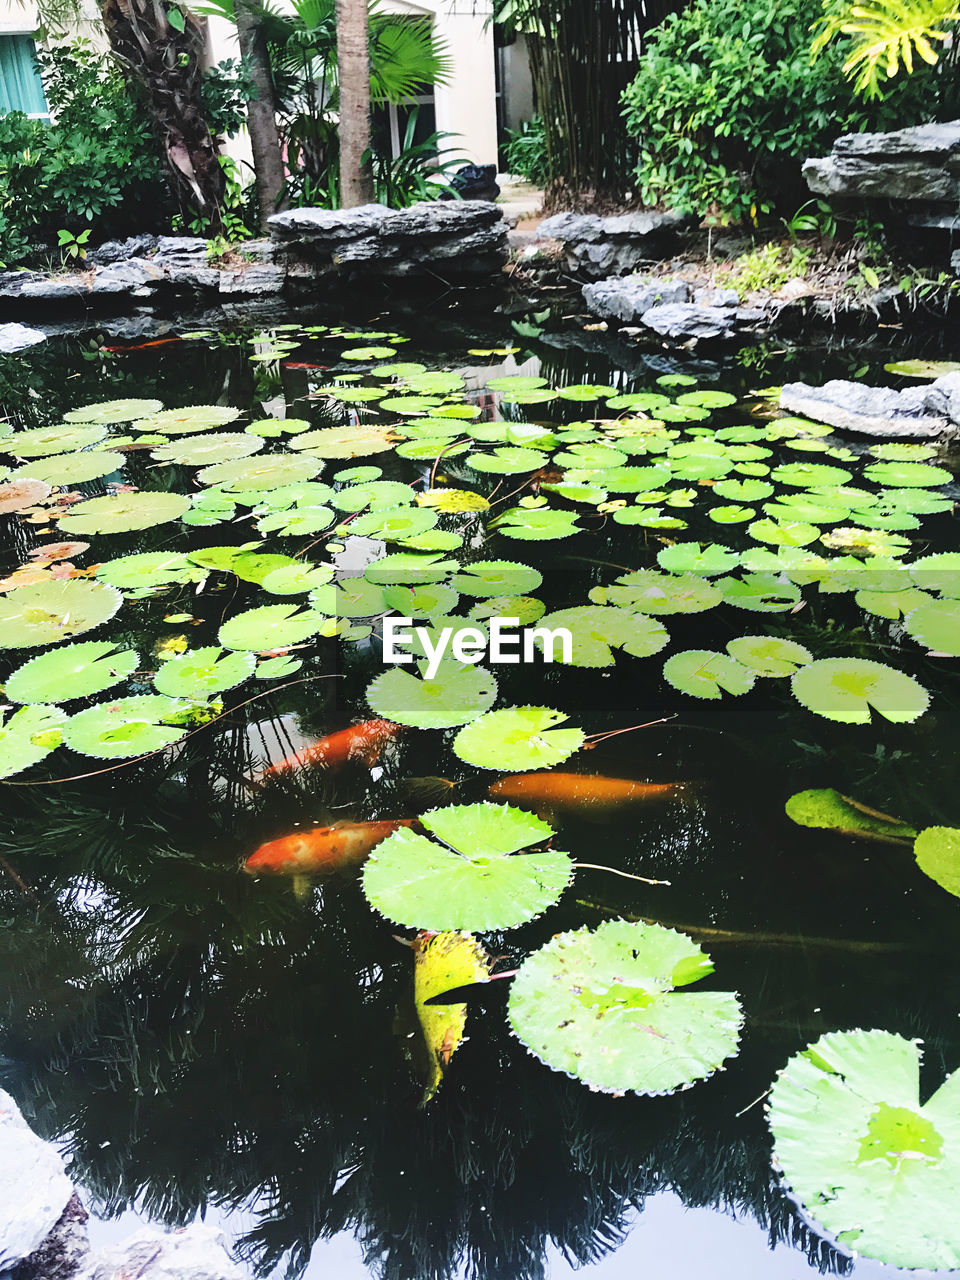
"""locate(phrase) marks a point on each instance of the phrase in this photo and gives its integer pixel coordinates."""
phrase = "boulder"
(64, 1251)
(18, 337)
(713, 297)
(328, 226)
(681, 322)
(255, 280)
(599, 247)
(125, 277)
(918, 165)
(627, 298)
(179, 246)
(34, 1190)
(879, 412)
(121, 250)
(943, 397)
(193, 1253)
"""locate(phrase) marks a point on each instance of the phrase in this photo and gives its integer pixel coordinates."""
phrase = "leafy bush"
(525, 152)
(727, 103)
(97, 163)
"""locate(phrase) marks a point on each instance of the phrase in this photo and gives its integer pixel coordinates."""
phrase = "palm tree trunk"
(167, 61)
(353, 60)
(261, 111)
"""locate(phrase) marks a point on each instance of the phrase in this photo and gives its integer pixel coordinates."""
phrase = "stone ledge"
(597, 247)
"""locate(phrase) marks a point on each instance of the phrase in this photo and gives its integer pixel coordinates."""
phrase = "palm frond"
(886, 35)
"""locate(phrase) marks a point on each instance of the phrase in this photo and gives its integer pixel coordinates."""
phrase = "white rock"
(18, 337)
(34, 1189)
(193, 1253)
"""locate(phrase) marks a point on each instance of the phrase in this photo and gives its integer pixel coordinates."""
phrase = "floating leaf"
(453, 501)
(222, 446)
(408, 569)
(648, 591)
(201, 672)
(277, 668)
(904, 475)
(292, 579)
(939, 572)
(72, 468)
(526, 609)
(476, 879)
(928, 370)
(936, 624)
(368, 353)
(122, 512)
(516, 739)
(769, 655)
(443, 962)
(268, 471)
(937, 851)
(829, 808)
(394, 523)
(864, 1158)
(28, 736)
(690, 557)
(847, 689)
(17, 494)
(810, 475)
(198, 417)
(272, 626)
(379, 495)
(422, 601)
(108, 412)
(703, 674)
(456, 695)
(74, 671)
(761, 592)
(301, 520)
(38, 442)
(486, 578)
(507, 461)
(346, 442)
(536, 525)
(596, 630)
(124, 728)
(604, 1008)
(54, 611)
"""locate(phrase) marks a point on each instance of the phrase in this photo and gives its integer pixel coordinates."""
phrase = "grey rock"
(330, 225)
(188, 276)
(626, 298)
(712, 297)
(18, 337)
(571, 226)
(942, 397)
(600, 247)
(868, 411)
(260, 250)
(55, 289)
(178, 246)
(919, 165)
(255, 280)
(193, 1253)
(121, 250)
(124, 277)
(34, 1189)
(447, 218)
(682, 321)
(751, 315)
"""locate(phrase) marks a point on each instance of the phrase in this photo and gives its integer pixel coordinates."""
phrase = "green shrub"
(727, 103)
(96, 166)
(525, 152)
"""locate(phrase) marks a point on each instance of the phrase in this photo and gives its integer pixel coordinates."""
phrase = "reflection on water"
(202, 1042)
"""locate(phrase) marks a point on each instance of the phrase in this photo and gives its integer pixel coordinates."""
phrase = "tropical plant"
(525, 152)
(886, 36)
(726, 104)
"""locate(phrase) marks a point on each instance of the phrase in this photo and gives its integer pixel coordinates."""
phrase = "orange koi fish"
(362, 742)
(142, 346)
(581, 793)
(322, 850)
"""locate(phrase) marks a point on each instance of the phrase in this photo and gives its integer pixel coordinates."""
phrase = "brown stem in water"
(593, 866)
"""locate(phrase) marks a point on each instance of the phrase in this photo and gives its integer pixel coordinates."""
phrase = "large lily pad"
(518, 738)
(38, 442)
(484, 578)
(860, 1153)
(148, 570)
(124, 728)
(272, 626)
(604, 1008)
(536, 524)
(74, 671)
(937, 851)
(456, 695)
(72, 468)
(198, 673)
(476, 879)
(122, 512)
(28, 736)
(109, 412)
(769, 655)
(705, 674)
(936, 624)
(848, 689)
(53, 611)
(827, 808)
(648, 591)
(346, 442)
(261, 473)
(597, 630)
(201, 451)
(198, 417)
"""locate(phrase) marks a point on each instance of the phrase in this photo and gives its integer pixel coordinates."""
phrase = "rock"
(328, 226)
(627, 298)
(124, 277)
(599, 247)
(683, 321)
(34, 1190)
(121, 250)
(943, 397)
(55, 288)
(18, 337)
(712, 297)
(919, 165)
(178, 246)
(193, 1253)
(474, 182)
(868, 411)
(253, 280)
(63, 1252)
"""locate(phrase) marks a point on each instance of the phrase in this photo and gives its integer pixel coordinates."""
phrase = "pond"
(684, 848)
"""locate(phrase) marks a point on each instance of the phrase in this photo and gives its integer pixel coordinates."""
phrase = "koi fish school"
(471, 644)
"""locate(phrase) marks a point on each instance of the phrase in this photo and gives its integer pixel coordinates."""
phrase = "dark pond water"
(205, 1042)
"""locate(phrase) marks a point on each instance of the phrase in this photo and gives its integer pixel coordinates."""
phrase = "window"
(21, 88)
(392, 122)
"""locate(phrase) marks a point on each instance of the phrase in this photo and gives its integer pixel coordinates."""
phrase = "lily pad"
(53, 611)
(18, 494)
(649, 591)
(486, 578)
(124, 728)
(827, 808)
(936, 624)
(38, 442)
(937, 851)
(122, 512)
(597, 630)
(517, 738)
(457, 695)
(537, 524)
(476, 879)
(109, 412)
(690, 557)
(761, 592)
(453, 501)
(705, 674)
(939, 572)
(346, 442)
(848, 689)
(198, 673)
(72, 468)
(272, 626)
(73, 671)
(149, 569)
(268, 471)
(604, 1007)
(28, 736)
(293, 579)
(221, 446)
(903, 475)
(864, 1158)
(769, 655)
(927, 370)
(394, 523)
(508, 461)
(198, 417)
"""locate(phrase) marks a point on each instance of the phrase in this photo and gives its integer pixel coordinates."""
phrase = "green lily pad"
(368, 353)
(526, 609)
(939, 572)
(705, 674)
(456, 695)
(864, 1158)
(936, 624)
(422, 601)
(743, 490)
(642, 401)
(597, 630)
(810, 475)
(221, 446)
(937, 851)
(267, 471)
(769, 655)
(197, 417)
(827, 808)
(584, 392)
(28, 736)
(73, 671)
(293, 579)
(277, 668)
(299, 521)
(198, 673)
(604, 1008)
(108, 412)
(732, 514)
(123, 512)
(149, 569)
(124, 728)
(517, 738)
(476, 879)
(378, 495)
(690, 557)
(761, 592)
(394, 523)
(72, 468)
(907, 475)
(271, 626)
(408, 569)
(794, 533)
(38, 442)
(649, 591)
(52, 611)
(891, 604)
(848, 689)
(508, 461)
(927, 370)
(486, 578)
(537, 524)
(346, 442)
